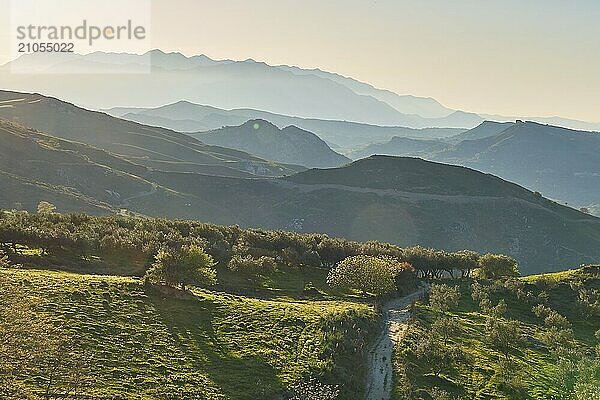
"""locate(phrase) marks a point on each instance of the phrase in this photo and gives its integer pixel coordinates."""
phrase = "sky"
(508, 57)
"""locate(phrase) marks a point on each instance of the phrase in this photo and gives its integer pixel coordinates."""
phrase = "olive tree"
(494, 266)
(444, 297)
(45, 207)
(504, 335)
(368, 274)
(184, 266)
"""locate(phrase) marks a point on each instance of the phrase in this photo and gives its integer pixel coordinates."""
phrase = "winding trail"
(380, 375)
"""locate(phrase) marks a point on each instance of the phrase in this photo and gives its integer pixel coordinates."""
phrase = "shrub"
(45, 207)
(314, 390)
(252, 266)
(443, 297)
(4, 262)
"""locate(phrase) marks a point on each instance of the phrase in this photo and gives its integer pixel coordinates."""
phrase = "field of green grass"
(143, 344)
(533, 371)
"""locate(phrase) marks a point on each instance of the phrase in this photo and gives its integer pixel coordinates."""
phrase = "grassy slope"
(481, 377)
(215, 346)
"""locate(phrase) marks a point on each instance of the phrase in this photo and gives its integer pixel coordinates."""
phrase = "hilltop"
(289, 145)
(560, 163)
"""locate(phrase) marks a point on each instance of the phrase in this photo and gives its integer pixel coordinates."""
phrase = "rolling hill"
(36, 167)
(290, 145)
(207, 345)
(408, 202)
(560, 163)
(539, 361)
(148, 146)
(405, 201)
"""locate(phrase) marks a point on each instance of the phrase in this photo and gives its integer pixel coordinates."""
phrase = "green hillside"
(545, 360)
(138, 343)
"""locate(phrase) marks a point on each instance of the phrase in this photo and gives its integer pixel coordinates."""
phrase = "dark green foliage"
(376, 275)
(128, 245)
(252, 266)
(504, 336)
(184, 266)
(494, 266)
(443, 297)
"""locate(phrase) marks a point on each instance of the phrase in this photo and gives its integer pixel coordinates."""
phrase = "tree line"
(138, 244)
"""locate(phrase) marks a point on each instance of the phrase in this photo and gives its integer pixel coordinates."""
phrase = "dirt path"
(125, 202)
(380, 375)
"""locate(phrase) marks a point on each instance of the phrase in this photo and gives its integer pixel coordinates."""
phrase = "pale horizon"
(509, 58)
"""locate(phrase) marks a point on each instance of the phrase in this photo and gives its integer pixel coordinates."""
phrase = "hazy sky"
(511, 57)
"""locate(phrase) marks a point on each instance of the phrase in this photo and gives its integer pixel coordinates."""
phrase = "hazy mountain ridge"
(560, 163)
(290, 145)
(188, 117)
(237, 84)
(130, 140)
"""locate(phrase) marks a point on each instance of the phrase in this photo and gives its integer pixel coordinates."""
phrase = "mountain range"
(157, 78)
(89, 161)
(149, 146)
(184, 116)
(558, 162)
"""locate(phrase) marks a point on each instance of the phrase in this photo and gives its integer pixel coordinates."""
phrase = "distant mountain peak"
(290, 145)
(258, 124)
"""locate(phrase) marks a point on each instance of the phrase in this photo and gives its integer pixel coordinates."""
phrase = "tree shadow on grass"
(190, 325)
(443, 383)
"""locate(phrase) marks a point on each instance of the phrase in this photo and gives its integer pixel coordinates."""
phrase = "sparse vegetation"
(523, 338)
